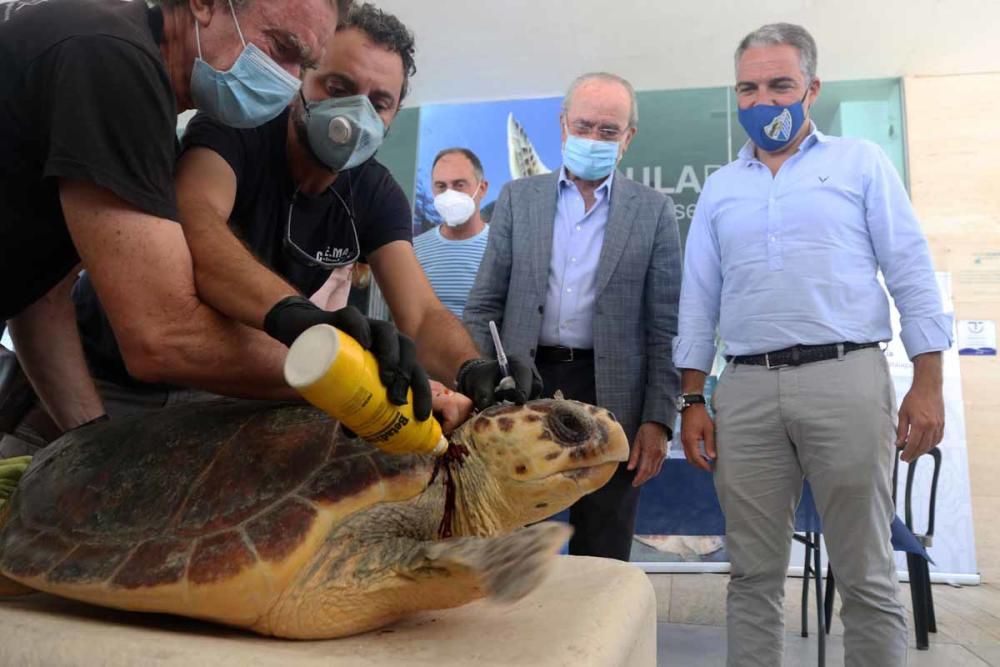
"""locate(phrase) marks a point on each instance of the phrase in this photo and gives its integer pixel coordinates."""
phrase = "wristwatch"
(685, 401)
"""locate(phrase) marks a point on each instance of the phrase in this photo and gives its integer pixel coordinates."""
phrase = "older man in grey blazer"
(582, 274)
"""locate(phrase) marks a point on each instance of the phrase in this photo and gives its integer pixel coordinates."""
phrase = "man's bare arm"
(226, 273)
(142, 271)
(49, 350)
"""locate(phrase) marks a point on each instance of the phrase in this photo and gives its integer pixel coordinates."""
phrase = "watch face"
(680, 403)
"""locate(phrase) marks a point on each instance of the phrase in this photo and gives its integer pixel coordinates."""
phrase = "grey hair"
(784, 33)
(343, 6)
(633, 116)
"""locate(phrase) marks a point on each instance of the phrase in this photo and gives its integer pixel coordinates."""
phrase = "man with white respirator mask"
(450, 253)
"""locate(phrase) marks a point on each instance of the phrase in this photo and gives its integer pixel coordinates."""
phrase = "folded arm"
(226, 273)
(141, 268)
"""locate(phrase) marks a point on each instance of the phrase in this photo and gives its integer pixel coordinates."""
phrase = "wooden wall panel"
(953, 132)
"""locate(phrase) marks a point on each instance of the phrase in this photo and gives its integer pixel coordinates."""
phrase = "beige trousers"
(832, 423)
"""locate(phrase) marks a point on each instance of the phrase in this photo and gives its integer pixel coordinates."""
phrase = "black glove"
(395, 353)
(479, 379)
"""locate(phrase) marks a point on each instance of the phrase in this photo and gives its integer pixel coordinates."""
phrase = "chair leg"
(918, 584)
(931, 618)
(805, 589)
(820, 604)
(831, 588)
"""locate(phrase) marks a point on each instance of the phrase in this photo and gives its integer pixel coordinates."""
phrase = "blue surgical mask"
(772, 127)
(343, 132)
(589, 159)
(253, 91)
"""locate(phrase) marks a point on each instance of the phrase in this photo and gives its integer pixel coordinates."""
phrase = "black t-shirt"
(83, 95)
(320, 225)
(264, 191)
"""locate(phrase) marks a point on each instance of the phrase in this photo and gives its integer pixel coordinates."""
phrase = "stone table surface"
(589, 611)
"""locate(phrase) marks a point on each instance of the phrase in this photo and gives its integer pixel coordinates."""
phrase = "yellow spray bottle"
(333, 372)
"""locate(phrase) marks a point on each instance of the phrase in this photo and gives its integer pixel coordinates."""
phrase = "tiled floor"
(691, 632)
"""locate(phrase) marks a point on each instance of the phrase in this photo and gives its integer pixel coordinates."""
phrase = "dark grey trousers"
(603, 521)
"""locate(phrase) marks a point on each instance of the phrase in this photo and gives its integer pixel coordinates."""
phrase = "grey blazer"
(638, 288)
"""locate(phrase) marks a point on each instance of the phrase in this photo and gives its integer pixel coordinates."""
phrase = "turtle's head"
(543, 456)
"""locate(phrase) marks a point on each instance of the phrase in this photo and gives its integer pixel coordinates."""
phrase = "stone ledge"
(590, 611)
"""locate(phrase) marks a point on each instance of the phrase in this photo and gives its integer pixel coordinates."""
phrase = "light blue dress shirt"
(577, 238)
(793, 258)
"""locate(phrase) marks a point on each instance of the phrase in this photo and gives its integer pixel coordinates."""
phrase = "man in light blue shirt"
(783, 256)
(451, 252)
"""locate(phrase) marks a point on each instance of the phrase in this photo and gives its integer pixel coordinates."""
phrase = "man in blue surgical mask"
(278, 213)
(783, 255)
(582, 274)
(88, 101)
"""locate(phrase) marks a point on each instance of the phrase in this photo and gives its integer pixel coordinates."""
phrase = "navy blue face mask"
(771, 127)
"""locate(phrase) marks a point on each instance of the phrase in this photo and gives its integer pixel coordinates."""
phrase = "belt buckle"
(569, 355)
(769, 365)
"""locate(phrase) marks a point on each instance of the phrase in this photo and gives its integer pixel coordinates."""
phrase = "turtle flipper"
(359, 586)
(509, 566)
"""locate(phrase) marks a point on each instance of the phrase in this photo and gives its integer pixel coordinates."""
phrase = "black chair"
(903, 539)
(808, 531)
(924, 620)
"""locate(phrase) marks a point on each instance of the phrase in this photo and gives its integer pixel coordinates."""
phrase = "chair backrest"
(911, 470)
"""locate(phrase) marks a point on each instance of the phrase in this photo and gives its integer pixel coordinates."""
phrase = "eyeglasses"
(321, 260)
(583, 128)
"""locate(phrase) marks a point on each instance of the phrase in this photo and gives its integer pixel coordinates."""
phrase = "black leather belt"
(560, 354)
(800, 354)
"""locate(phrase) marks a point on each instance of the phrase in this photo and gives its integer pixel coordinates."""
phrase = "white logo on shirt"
(329, 254)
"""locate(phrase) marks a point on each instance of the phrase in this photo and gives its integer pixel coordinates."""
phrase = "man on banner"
(582, 273)
(784, 254)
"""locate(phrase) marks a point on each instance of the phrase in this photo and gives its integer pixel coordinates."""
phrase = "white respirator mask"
(455, 207)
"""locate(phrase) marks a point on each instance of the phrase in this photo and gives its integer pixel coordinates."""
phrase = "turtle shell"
(194, 493)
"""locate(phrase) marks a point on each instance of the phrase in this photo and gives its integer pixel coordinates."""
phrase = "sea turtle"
(270, 517)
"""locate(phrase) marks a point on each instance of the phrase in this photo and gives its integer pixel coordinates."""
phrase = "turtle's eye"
(568, 427)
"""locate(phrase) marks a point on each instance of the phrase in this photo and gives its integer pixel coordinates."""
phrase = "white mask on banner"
(455, 207)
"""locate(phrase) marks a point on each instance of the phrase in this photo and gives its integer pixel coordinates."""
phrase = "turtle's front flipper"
(507, 567)
(366, 582)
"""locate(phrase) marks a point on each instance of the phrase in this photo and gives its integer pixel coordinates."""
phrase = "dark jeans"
(603, 521)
